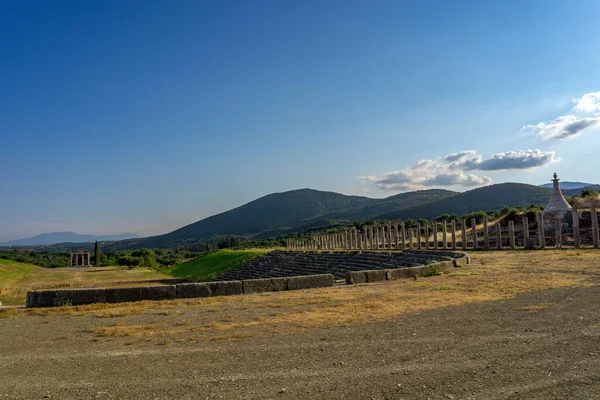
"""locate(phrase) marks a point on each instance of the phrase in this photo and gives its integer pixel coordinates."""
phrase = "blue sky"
(146, 116)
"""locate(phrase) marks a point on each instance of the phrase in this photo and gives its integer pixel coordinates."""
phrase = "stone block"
(376, 275)
(120, 295)
(279, 284)
(309, 281)
(257, 285)
(460, 262)
(192, 290)
(400, 273)
(225, 288)
(354, 277)
(72, 297)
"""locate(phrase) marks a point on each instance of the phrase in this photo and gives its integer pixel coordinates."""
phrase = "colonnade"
(443, 235)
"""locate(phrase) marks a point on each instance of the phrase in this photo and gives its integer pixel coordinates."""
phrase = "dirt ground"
(515, 325)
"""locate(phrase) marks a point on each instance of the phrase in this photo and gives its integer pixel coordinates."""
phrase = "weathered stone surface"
(192, 290)
(355, 277)
(447, 265)
(225, 288)
(56, 298)
(460, 262)
(279, 284)
(401, 273)
(309, 281)
(530, 244)
(376, 275)
(119, 295)
(257, 285)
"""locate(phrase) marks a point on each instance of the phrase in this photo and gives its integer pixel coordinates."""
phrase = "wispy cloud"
(563, 127)
(457, 169)
(572, 124)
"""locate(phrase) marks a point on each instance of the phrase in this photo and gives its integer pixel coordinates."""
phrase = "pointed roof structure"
(557, 202)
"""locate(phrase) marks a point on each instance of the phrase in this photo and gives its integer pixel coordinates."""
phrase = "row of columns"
(395, 236)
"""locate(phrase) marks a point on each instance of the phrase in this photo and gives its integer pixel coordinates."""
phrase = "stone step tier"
(298, 263)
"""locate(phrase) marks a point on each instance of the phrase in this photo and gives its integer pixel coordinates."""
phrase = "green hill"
(212, 265)
(279, 212)
(303, 209)
(492, 197)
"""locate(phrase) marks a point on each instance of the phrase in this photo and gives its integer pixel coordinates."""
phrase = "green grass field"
(212, 265)
(16, 279)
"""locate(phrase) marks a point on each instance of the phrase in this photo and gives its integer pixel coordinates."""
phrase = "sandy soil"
(541, 345)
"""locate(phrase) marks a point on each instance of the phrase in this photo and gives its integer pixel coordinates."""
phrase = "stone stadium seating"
(297, 263)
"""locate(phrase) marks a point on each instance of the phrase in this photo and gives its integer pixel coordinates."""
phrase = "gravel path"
(541, 345)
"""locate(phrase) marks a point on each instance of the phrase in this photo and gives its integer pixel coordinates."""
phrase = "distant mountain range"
(67, 237)
(568, 185)
(303, 209)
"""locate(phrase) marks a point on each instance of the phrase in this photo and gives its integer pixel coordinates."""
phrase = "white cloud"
(572, 124)
(563, 127)
(521, 159)
(455, 170)
(588, 103)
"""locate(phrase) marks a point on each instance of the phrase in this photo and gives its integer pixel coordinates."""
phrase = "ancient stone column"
(403, 237)
(498, 235)
(435, 235)
(525, 230)
(376, 237)
(371, 238)
(382, 237)
(418, 235)
(576, 237)
(511, 233)
(557, 233)
(453, 232)
(411, 236)
(486, 236)
(464, 234)
(474, 232)
(541, 233)
(595, 227)
(427, 236)
(444, 236)
(387, 236)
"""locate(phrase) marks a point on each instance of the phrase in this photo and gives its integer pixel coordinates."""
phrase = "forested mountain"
(491, 197)
(279, 212)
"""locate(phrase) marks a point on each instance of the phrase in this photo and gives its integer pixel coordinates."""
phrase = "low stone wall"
(192, 290)
(123, 295)
(375, 276)
(225, 288)
(355, 277)
(399, 273)
(309, 281)
(264, 285)
(64, 297)
(75, 297)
